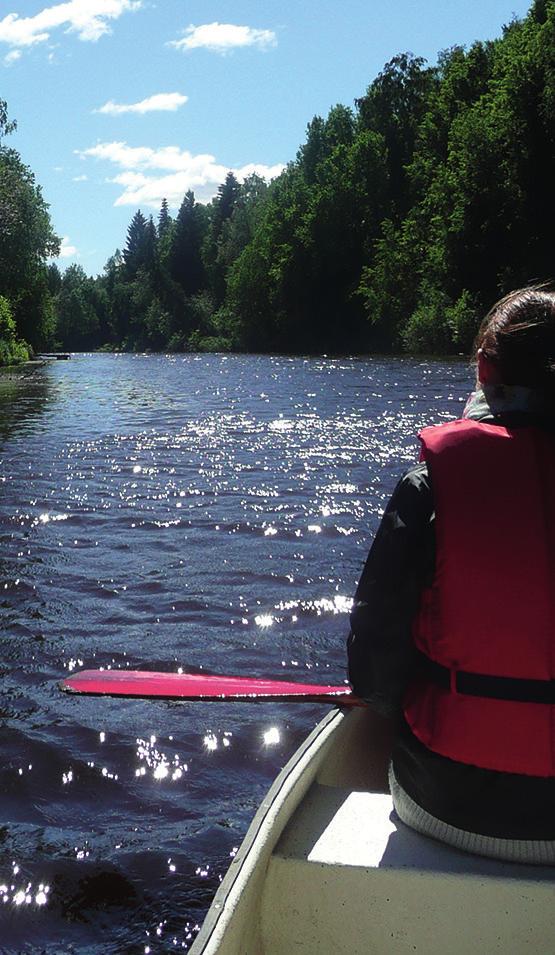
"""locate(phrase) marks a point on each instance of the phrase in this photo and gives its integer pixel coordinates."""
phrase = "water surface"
(203, 512)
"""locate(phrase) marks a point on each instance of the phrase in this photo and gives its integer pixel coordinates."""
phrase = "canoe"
(326, 868)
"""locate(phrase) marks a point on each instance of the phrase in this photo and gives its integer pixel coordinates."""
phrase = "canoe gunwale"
(274, 800)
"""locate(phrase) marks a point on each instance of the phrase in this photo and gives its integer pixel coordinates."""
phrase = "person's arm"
(400, 564)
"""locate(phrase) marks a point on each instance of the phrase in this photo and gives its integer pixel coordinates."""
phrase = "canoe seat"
(345, 868)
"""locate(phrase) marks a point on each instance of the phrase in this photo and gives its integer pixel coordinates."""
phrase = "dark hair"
(518, 337)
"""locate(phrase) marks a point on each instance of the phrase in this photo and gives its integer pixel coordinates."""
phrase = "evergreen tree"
(223, 205)
(239, 229)
(54, 278)
(164, 220)
(221, 211)
(137, 248)
(150, 246)
(186, 264)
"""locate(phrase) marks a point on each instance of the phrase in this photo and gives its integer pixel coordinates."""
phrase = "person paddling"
(453, 623)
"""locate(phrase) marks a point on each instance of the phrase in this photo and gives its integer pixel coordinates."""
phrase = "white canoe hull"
(326, 867)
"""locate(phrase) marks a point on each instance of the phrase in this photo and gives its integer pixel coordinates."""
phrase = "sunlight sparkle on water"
(46, 518)
(25, 895)
(281, 424)
(271, 736)
(338, 604)
(160, 765)
(264, 620)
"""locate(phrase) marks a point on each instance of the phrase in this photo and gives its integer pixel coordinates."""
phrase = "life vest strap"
(509, 688)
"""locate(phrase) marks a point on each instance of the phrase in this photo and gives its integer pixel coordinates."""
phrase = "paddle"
(198, 686)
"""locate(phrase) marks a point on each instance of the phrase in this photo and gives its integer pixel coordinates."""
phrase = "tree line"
(166, 290)
(397, 224)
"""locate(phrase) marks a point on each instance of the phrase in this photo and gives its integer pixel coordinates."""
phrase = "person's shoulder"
(451, 435)
(415, 478)
(411, 500)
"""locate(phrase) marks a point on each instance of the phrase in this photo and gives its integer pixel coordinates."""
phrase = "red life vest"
(491, 609)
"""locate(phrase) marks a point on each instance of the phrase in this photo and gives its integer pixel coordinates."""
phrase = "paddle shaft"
(200, 686)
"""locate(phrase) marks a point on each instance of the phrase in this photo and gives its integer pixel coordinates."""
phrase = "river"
(205, 512)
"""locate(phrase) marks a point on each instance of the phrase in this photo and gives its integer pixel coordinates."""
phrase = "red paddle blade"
(198, 686)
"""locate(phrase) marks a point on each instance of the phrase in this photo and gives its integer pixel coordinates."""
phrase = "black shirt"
(381, 656)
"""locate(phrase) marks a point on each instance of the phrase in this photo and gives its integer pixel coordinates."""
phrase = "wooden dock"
(51, 356)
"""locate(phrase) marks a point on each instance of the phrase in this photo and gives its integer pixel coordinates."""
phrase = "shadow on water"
(24, 393)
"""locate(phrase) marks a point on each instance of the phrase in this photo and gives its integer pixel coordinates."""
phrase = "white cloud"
(143, 157)
(82, 178)
(175, 171)
(88, 18)
(159, 102)
(67, 250)
(12, 57)
(222, 37)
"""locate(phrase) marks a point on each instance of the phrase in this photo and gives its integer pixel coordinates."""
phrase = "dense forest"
(397, 224)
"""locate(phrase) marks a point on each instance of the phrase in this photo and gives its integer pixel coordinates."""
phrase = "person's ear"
(486, 370)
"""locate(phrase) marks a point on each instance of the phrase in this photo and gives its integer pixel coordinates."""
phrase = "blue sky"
(121, 102)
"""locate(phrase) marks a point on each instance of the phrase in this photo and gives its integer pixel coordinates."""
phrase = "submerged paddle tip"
(66, 687)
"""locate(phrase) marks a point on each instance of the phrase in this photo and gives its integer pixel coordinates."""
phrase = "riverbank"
(23, 370)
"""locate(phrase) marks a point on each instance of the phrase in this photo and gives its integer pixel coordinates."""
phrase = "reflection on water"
(197, 512)
(24, 393)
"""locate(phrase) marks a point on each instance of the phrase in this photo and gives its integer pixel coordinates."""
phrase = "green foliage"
(6, 126)
(26, 242)
(78, 320)
(217, 241)
(394, 106)
(140, 246)
(185, 256)
(7, 324)
(12, 350)
(13, 353)
(210, 330)
(164, 220)
(322, 137)
(223, 205)
(208, 343)
(157, 326)
(439, 326)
